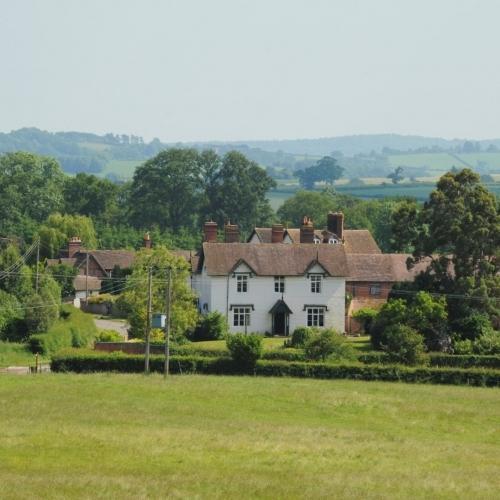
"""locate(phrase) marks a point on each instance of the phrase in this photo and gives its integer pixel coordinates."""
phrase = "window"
(241, 316)
(279, 284)
(242, 283)
(375, 289)
(315, 316)
(316, 283)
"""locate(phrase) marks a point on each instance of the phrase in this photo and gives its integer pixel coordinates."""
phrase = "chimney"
(146, 240)
(277, 233)
(336, 224)
(210, 232)
(307, 231)
(74, 246)
(231, 233)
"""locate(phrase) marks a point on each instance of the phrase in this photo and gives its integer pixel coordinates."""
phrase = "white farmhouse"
(272, 287)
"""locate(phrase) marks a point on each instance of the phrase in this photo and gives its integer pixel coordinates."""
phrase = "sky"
(195, 70)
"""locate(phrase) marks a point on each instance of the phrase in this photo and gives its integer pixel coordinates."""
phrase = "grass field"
(125, 436)
(14, 354)
(122, 169)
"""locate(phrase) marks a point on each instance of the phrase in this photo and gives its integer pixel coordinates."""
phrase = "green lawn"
(14, 354)
(127, 436)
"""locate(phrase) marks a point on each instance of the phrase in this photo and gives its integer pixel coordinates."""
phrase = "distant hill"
(117, 155)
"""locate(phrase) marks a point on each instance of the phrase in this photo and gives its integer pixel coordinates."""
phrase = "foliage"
(134, 300)
(245, 350)
(102, 298)
(326, 169)
(487, 343)
(64, 276)
(211, 326)
(366, 316)
(73, 329)
(396, 176)
(10, 314)
(108, 336)
(301, 335)
(58, 229)
(328, 344)
(404, 345)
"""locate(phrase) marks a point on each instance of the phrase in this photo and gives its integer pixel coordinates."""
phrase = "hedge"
(85, 362)
(440, 360)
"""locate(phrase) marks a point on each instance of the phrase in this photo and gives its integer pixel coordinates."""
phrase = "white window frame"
(241, 315)
(316, 282)
(315, 316)
(242, 283)
(279, 284)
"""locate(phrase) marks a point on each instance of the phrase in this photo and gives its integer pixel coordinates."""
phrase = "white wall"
(220, 293)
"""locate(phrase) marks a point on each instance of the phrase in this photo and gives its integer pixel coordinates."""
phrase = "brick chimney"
(336, 224)
(277, 233)
(210, 232)
(307, 231)
(231, 233)
(74, 246)
(146, 240)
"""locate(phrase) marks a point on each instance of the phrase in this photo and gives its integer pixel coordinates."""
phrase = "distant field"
(130, 436)
(123, 169)
(445, 161)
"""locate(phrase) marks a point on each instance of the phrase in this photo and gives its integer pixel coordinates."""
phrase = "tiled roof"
(355, 240)
(191, 256)
(80, 283)
(108, 259)
(274, 260)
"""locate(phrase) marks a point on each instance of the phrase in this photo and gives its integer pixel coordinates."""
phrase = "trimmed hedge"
(86, 362)
(439, 360)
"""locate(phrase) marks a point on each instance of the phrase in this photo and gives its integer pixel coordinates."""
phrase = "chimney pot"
(210, 232)
(231, 233)
(74, 246)
(147, 240)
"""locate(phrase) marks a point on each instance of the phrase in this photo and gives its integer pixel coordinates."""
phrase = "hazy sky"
(234, 69)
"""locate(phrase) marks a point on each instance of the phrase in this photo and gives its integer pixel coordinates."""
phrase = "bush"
(108, 336)
(487, 343)
(462, 346)
(301, 335)
(245, 350)
(212, 326)
(366, 316)
(328, 344)
(102, 298)
(404, 345)
(90, 361)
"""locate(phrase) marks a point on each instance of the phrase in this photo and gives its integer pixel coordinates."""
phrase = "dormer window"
(242, 283)
(315, 283)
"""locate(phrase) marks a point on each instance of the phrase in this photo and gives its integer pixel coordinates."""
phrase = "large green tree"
(324, 170)
(30, 190)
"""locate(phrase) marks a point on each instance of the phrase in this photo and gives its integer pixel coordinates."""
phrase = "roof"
(383, 267)
(191, 256)
(108, 259)
(63, 260)
(274, 260)
(355, 240)
(80, 283)
(280, 306)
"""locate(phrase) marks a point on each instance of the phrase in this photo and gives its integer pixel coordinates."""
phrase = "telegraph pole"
(148, 321)
(167, 323)
(87, 276)
(37, 263)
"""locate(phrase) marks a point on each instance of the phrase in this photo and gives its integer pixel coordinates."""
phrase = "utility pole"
(87, 276)
(148, 321)
(37, 263)
(167, 323)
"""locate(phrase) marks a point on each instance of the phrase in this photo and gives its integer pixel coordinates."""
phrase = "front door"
(279, 323)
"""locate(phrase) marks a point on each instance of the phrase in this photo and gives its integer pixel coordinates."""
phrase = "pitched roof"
(274, 260)
(382, 267)
(108, 259)
(80, 283)
(191, 256)
(355, 240)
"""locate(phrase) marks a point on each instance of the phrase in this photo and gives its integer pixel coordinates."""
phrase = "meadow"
(130, 436)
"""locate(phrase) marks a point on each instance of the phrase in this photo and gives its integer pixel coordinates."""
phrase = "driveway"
(117, 325)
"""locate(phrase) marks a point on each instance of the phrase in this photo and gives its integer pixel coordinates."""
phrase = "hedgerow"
(90, 361)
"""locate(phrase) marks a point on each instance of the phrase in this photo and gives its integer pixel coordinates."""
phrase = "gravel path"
(108, 324)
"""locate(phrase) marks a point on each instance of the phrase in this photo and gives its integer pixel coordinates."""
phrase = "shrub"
(108, 336)
(366, 316)
(328, 344)
(301, 335)
(102, 298)
(212, 326)
(487, 343)
(404, 345)
(462, 346)
(245, 350)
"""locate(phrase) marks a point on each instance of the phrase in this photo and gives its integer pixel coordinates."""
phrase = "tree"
(396, 176)
(166, 190)
(134, 300)
(58, 229)
(64, 276)
(30, 189)
(326, 169)
(235, 190)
